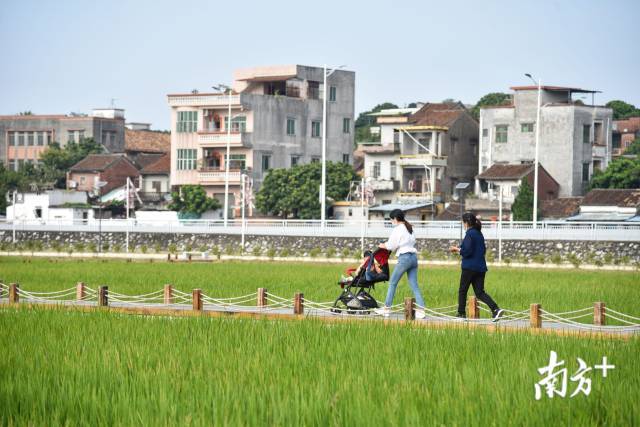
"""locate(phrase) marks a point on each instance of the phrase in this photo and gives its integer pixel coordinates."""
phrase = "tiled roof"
(442, 114)
(147, 141)
(502, 171)
(630, 125)
(450, 213)
(612, 197)
(96, 162)
(143, 160)
(160, 167)
(560, 208)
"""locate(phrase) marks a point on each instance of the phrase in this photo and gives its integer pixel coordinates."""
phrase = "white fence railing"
(594, 231)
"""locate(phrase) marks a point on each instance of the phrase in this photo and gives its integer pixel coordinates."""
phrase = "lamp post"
(224, 88)
(323, 185)
(243, 178)
(536, 159)
(461, 187)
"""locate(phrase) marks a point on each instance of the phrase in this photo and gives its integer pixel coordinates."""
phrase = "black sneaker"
(497, 315)
(461, 316)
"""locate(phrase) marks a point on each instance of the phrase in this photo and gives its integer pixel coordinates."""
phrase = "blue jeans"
(406, 263)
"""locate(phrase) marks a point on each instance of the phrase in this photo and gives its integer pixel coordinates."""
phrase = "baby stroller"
(355, 297)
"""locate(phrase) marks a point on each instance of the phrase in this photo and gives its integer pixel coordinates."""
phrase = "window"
(30, 138)
(291, 126)
(350, 212)
(526, 127)
(83, 179)
(586, 134)
(81, 136)
(186, 159)
(12, 138)
(295, 160)
(237, 161)
(376, 169)
(392, 173)
(501, 133)
(40, 138)
(332, 93)
(38, 212)
(315, 129)
(345, 158)
(71, 136)
(238, 124)
(157, 186)
(585, 172)
(20, 138)
(485, 132)
(266, 162)
(12, 165)
(346, 125)
(315, 160)
(187, 121)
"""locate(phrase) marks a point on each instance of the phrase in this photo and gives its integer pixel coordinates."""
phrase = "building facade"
(24, 138)
(276, 122)
(423, 153)
(625, 131)
(575, 139)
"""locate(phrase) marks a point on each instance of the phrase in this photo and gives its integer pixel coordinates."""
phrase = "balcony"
(380, 184)
(599, 151)
(219, 139)
(421, 160)
(216, 176)
(205, 99)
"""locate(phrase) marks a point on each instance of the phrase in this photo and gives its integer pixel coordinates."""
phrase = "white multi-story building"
(575, 139)
(276, 122)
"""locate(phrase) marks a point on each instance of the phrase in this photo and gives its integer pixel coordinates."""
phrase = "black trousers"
(476, 279)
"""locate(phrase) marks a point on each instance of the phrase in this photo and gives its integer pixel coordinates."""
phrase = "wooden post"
(168, 294)
(169, 257)
(14, 297)
(103, 296)
(262, 297)
(534, 316)
(298, 303)
(189, 257)
(472, 308)
(196, 296)
(80, 294)
(409, 308)
(599, 314)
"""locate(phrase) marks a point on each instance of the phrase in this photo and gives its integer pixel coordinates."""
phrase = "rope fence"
(265, 302)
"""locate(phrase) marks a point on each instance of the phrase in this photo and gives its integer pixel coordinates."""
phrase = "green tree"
(522, 207)
(490, 99)
(621, 173)
(56, 160)
(622, 110)
(295, 192)
(634, 147)
(9, 181)
(192, 199)
(365, 121)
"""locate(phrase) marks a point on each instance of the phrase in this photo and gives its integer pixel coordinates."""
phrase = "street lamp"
(224, 88)
(323, 186)
(461, 187)
(97, 190)
(536, 160)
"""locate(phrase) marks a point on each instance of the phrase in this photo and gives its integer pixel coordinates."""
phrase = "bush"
(313, 253)
(538, 258)
(608, 258)
(556, 258)
(116, 248)
(425, 254)
(144, 249)
(80, 247)
(599, 263)
(157, 248)
(590, 258)
(172, 248)
(38, 245)
(285, 252)
(357, 254)
(506, 260)
(228, 250)
(331, 252)
(203, 248)
(216, 251)
(56, 246)
(574, 260)
(188, 247)
(523, 259)
(68, 249)
(625, 260)
(271, 253)
(345, 253)
(105, 247)
(256, 251)
(4, 246)
(91, 247)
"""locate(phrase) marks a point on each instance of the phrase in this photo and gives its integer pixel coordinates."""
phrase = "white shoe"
(420, 314)
(384, 311)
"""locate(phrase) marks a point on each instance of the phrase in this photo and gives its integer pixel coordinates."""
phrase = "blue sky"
(63, 56)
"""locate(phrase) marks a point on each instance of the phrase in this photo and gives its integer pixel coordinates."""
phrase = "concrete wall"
(435, 248)
(462, 164)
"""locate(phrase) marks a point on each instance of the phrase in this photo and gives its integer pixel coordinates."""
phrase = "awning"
(601, 216)
(402, 206)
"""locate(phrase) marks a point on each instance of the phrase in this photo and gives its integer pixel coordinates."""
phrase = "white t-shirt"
(401, 240)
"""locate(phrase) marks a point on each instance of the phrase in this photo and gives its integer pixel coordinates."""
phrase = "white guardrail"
(594, 231)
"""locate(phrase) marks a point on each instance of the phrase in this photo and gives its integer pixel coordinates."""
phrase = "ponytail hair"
(472, 221)
(398, 215)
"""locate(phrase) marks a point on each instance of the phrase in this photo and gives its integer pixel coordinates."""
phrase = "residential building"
(624, 133)
(559, 209)
(145, 143)
(609, 205)
(420, 211)
(423, 153)
(276, 122)
(104, 171)
(154, 182)
(66, 207)
(508, 178)
(24, 138)
(138, 126)
(575, 139)
(350, 210)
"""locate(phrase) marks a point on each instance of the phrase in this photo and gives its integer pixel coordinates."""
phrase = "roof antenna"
(113, 102)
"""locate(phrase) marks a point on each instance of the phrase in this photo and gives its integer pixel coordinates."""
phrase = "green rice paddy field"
(61, 367)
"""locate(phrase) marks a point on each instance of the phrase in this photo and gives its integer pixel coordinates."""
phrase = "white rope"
(610, 310)
(611, 316)
(41, 294)
(155, 293)
(557, 319)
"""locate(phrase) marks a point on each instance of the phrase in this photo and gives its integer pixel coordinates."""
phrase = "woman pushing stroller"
(403, 242)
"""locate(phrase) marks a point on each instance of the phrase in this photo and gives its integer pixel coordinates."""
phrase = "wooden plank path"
(172, 302)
